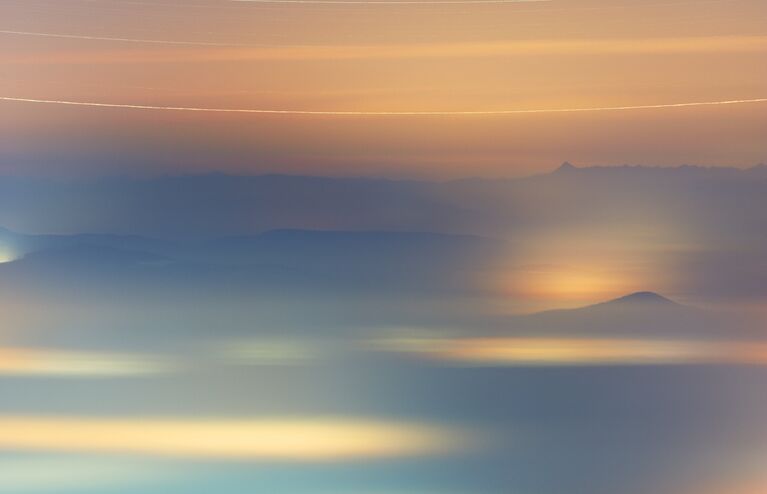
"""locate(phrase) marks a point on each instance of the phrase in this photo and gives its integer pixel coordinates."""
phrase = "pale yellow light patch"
(565, 286)
(570, 284)
(586, 264)
(578, 351)
(7, 254)
(574, 351)
(64, 363)
(311, 439)
(272, 351)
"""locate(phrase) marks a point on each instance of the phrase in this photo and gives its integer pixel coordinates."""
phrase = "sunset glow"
(383, 246)
(551, 64)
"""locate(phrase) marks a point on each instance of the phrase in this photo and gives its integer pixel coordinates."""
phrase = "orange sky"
(360, 57)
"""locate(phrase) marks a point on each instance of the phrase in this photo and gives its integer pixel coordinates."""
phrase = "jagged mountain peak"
(566, 167)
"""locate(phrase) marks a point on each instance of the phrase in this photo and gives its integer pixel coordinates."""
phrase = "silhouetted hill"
(644, 299)
(641, 314)
(632, 304)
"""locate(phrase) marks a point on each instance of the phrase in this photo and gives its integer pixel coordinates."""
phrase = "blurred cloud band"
(277, 439)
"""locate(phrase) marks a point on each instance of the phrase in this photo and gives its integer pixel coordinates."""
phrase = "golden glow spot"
(311, 439)
(567, 286)
(572, 266)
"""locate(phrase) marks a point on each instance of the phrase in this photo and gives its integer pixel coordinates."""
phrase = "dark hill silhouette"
(641, 297)
(566, 167)
(640, 314)
(638, 305)
(646, 299)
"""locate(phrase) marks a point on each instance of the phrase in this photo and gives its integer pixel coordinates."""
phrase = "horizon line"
(257, 174)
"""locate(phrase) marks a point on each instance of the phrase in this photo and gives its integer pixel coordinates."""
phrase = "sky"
(331, 246)
(389, 57)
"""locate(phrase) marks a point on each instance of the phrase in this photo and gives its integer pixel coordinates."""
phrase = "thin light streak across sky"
(305, 51)
(125, 40)
(385, 113)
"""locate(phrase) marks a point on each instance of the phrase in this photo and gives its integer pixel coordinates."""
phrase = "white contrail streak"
(384, 113)
(125, 40)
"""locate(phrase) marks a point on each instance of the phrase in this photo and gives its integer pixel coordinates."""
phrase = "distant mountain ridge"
(759, 170)
(228, 205)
